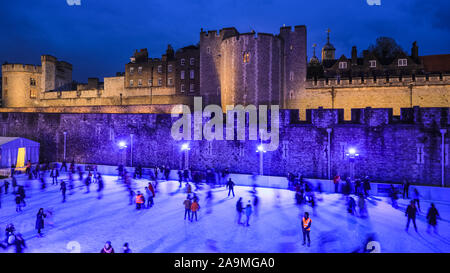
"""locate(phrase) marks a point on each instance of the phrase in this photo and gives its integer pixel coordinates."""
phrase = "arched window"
(246, 57)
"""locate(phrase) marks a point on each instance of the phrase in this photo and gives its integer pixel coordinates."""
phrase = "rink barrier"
(377, 189)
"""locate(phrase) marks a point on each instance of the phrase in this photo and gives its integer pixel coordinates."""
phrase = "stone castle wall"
(391, 147)
(395, 93)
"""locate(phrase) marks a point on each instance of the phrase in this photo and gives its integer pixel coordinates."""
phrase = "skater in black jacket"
(40, 221)
(230, 186)
(411, 211)
(63, 190)
(432, 217)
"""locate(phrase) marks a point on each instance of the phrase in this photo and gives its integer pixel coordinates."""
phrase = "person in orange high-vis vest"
(194, 208)
(306, 228)
(139, 200)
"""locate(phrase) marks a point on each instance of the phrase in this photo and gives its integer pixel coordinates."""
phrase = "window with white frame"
(372, 63)
(402, 62)
(342, 65)
(182, 88)
(191, 87)
(192, 74)
(192, 61)
(139, 82)
(182, 61)
(159, 68)
(182, 74)
(140, 70)
(131, 82)
(169, 68)
(170, 81)
(131, 70)
(159, 81)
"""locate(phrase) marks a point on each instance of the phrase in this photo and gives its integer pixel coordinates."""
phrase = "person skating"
(411, 211)
(188, 188)
(14, 185)
(306, 228)
(40, 221)
(187, 207)
(194, 208)
(54, 175)
(432, 217)
(19, 243)
(186, 175)
(64, 166)
(230, 186)
(393, 195)
(107, 248)
(180, 177)
(150, 194)
(21, 192)
(248, 212)
(6, 185)
(140, 200)
(416, 198)
(362, 206)
(87, 183)
(18, 201)
(406, 188)
(100, 186)
(351, 206)
(366, 185)
(63, 189)
(336, 181)
(126, 248)
(239, 210)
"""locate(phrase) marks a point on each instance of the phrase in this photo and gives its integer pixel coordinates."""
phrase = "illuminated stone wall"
(391, 147)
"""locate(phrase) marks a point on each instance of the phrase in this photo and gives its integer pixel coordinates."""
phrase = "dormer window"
(402, 62)
(342, 65)
(246, 57)
(131, 70)
(372, 63)
(182, 61)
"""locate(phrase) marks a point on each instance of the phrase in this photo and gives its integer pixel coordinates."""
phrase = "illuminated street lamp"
(123, 148)
(185, 148)
(352, 155)
(260, 149)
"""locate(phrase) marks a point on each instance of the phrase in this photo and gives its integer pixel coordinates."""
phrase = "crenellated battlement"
(378, 81)
(21, 68)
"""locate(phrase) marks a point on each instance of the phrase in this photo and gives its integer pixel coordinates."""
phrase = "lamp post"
(122, 146)
(443, 131)
(352, 155)
(329, 152)
(131, 148)
(65, 137)
(185, 148)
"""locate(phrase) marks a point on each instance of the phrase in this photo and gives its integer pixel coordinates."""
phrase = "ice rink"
(84, 223)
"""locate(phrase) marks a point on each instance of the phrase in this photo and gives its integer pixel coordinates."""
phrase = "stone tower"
(328, 50)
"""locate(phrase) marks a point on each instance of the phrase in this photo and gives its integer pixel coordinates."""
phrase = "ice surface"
(87, 222)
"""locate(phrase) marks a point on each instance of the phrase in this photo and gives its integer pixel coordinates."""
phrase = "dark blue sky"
(99, 36)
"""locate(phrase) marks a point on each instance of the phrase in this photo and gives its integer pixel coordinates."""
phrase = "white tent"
(17, 151)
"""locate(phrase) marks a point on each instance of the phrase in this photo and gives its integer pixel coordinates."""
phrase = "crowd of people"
(305, 193)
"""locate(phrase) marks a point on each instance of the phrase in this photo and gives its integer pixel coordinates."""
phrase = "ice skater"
(411, 211)
(6, 185)
(100, 186)
(351, 206)
(248, 212)
(255, 204)
(18, 201)
(239, 210)
(230, 186)
(306, 228)
(107, 248)
(432, 217)
(54, 175)
(19, 243)
(394, 197)
(180, 177)
(187, 208)
(63, 189)
(40, 221)
(150, 194)
(140, 200)
(194, 208)
(416, 198)
(126, 248)
(405, 188)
